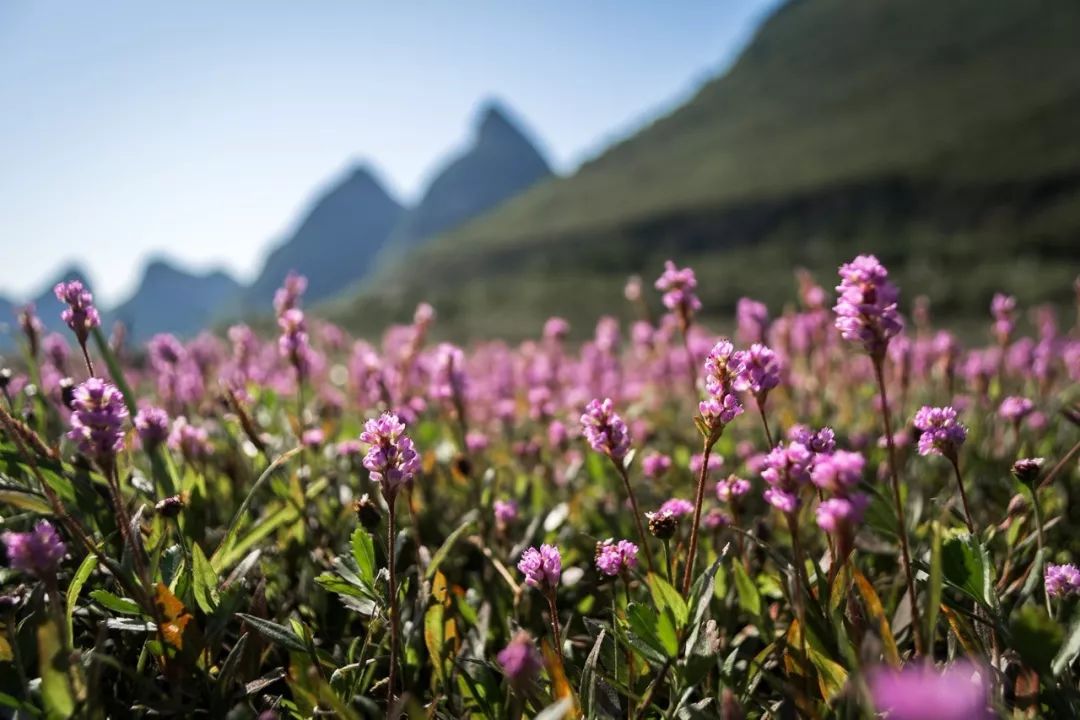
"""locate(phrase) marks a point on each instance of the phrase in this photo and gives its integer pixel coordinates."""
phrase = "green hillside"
(943, 136)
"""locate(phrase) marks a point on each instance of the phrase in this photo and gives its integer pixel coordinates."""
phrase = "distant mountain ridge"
(499, 163)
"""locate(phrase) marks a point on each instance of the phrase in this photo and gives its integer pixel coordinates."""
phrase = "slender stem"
(963, 496)
(86, 357)
(916, 624)
(647, 701)
(637, 513)
(391, 534)
(553, 610)
(1036, 507)
(764, 420)
(1061, 463)
(667, 559)
(699, 499)
(802, 585)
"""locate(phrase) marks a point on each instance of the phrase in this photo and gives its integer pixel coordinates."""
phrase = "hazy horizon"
(200, 134)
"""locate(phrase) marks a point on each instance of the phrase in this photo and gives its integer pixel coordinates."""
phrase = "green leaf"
(56, 692)
(440, 554)
(116, 604)
(665, 597)
(435, 638)
(363, 552)
(643, 634)
(232, 662)
(966, 565)
(26, 501)
(934, 600)
(588, 677)
(77, 581)
(1036, 637)
(749, 597)
(204, 580)
(241, 512)
(1069, 650)
(275, 633)
(668, 632)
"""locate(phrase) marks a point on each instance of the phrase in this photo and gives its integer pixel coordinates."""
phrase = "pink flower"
(542, 567)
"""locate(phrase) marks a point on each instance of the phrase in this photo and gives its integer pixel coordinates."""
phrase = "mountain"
(9, 326)
(176, 301)
(500, 163)
(940, 135)
(335, 242)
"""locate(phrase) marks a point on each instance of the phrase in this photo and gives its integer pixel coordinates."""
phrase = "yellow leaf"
(175, 616)
(877, 612)
(5, 650)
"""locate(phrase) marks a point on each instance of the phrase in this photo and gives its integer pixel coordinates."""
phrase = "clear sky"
(199, 131)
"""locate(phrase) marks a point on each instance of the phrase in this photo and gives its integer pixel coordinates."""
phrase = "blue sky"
(199, 131)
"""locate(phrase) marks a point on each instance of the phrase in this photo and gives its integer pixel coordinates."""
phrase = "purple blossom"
(1061, 580)
(655, 465)
(921, 692)
(288, 295)
(506, 511)
(839, 472)
(312, 438)
(715, 518)
(942, 433)
(1015, 408)
(759, 371)
(391, 458)
(865, 308)
(448, 373)
(678, 287)
(615, 558)
(677, 507)
(752, 318)
(476, 441)
(1003, 308)
(38, 552)
(604, 430)
(97, 421)
(716, 461)
(192, 441)
(542, 567)
(822, 441)
(164, 351)
(731, 488)
(152, 424)
(293, 344)
(80, 315)
(787, 470)
(841, 513)
(520, 660)
(556, 329)
(722, 366)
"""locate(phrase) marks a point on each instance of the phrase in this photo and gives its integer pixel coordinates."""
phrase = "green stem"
(699, 499)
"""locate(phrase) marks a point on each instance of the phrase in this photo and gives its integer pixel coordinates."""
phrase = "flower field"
(839, 511)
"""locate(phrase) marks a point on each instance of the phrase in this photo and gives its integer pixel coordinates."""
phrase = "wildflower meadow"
(838, 510)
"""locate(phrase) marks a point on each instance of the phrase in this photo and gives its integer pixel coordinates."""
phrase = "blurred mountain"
(335, 243)
(172, 300)
(940, 135)
(500, 163)
(9, 325)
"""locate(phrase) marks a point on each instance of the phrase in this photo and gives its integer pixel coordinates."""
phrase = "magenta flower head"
(520, 660)
(731, 488)
(542, 567)
(786, 471)
(615, 558)
(677, 507)
(288, 295)
(942, 433)
(448, 373)
(1061, 580)
(192, 441)
(921, 692)
(391, 457)
(678, 286)
(822, 441)
(605, 430)
(506, 512)
(37, 552)
(655, 465)
(80, 315)
(31, 326)
(752, 318)
(1015, 408)
(759, 371)
(839, 472)
(293, 343)
(722, 367)
(97, 421)
(556, 329)
(1003, 308)
(152, 424)
(866, 305)
(841, 514)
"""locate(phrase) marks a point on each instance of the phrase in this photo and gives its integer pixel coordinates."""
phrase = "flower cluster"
(821, 441)
(839, 474)
(752, 318)
(921, 692)
(152, 425)
(38, 552)
(1062, 580)
(1015, 408)
(787, 471)
(97, 421)
(542, 567)
(866, 306)
(615, 558)
(520, 660)
(731, 488)
(1003, 308)
(759, 371)
(655, 465)
(293, 343)
(604, 430)
(678, 286)
(391, 457)
(722, 367)
(941, 432)
(80, 314)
